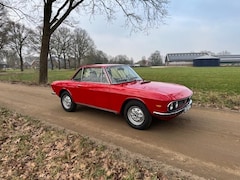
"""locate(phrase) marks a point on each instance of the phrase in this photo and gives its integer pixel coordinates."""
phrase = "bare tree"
(50, 24)
(140, 14)
(12, 58)
(96, 56)
(35, 39)
(121, 59)
(82, 45)
(143, 61)
(60, 44)
(18, 35)
(155, 59)
(3, 27)
(225, 52)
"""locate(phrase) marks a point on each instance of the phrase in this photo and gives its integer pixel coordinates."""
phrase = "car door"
(93, 88)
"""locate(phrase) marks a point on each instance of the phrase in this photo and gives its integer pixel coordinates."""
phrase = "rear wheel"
(67, 102)
(137, 115)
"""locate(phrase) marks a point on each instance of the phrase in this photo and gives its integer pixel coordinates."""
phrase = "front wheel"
(67, 102)
(137, 115)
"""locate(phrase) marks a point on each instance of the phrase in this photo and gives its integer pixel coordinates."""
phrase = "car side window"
(86, 74)
(90, 74)
(94, 75)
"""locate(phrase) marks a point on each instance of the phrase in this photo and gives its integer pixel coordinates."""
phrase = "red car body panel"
(111, 97)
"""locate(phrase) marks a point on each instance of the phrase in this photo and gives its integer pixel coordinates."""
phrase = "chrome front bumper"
(185, 109)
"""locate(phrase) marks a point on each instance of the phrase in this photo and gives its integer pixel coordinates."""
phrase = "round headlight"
(171, 107)
(176, 104)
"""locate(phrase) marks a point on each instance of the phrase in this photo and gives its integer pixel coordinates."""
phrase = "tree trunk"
(69, 64)
(21, 58)
(65, 62)
(43, 72)
(21, 62)
(50, 55)
(59, 62)
(79, 62)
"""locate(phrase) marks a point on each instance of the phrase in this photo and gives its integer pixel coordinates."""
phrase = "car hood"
(173, 91)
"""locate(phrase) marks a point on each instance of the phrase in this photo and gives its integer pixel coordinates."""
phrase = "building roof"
(229, 58)
(189, 57)
(207, 57)
(183, 56)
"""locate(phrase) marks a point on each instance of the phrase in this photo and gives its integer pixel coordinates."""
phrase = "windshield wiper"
(145, 81)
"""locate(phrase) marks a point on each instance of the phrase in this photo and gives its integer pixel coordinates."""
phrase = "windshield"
(123, 73)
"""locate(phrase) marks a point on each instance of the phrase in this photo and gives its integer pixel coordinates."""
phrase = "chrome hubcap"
(67, 102)
(135, 115)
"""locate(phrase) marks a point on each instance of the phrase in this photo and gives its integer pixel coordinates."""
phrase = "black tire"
(137, 115)
(67, 102)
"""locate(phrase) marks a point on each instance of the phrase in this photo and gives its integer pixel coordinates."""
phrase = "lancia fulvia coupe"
(119, 89)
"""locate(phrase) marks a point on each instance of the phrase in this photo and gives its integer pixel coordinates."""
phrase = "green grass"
(214, 86)
(217, 87)
(31, 76)
(219, 79)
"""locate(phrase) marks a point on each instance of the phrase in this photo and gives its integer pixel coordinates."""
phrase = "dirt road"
(204, 142)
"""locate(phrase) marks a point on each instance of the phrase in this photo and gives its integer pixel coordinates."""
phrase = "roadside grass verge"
(217, 87)
(30, 76)
(30, 149)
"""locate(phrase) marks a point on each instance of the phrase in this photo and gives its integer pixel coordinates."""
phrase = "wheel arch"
(128, 100)
(64, 90)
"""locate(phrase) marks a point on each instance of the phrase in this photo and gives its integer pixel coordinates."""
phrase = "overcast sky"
(192, 26)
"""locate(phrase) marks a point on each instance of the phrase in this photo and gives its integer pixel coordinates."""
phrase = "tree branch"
(58, 12)
(65, 15)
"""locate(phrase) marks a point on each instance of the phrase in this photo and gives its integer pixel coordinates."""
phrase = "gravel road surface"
(205, 142)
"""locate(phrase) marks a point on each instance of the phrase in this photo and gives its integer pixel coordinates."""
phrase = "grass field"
(219, 79)
(214, 86)
(217, 87)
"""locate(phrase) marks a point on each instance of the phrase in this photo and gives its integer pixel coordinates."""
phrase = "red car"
(119, 89)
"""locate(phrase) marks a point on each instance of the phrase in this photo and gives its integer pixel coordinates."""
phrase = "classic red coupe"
(118, 88)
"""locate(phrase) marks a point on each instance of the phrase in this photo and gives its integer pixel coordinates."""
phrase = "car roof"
(101, 65)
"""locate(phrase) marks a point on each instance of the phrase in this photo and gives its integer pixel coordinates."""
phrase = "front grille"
(183, 102)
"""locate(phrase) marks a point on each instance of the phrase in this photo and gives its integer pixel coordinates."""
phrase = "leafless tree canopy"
(155, 59)
(3, 26)
(139, 15)
(82, 45)
(19, 38)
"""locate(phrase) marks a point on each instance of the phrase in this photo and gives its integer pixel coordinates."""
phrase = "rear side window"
(91, 74)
